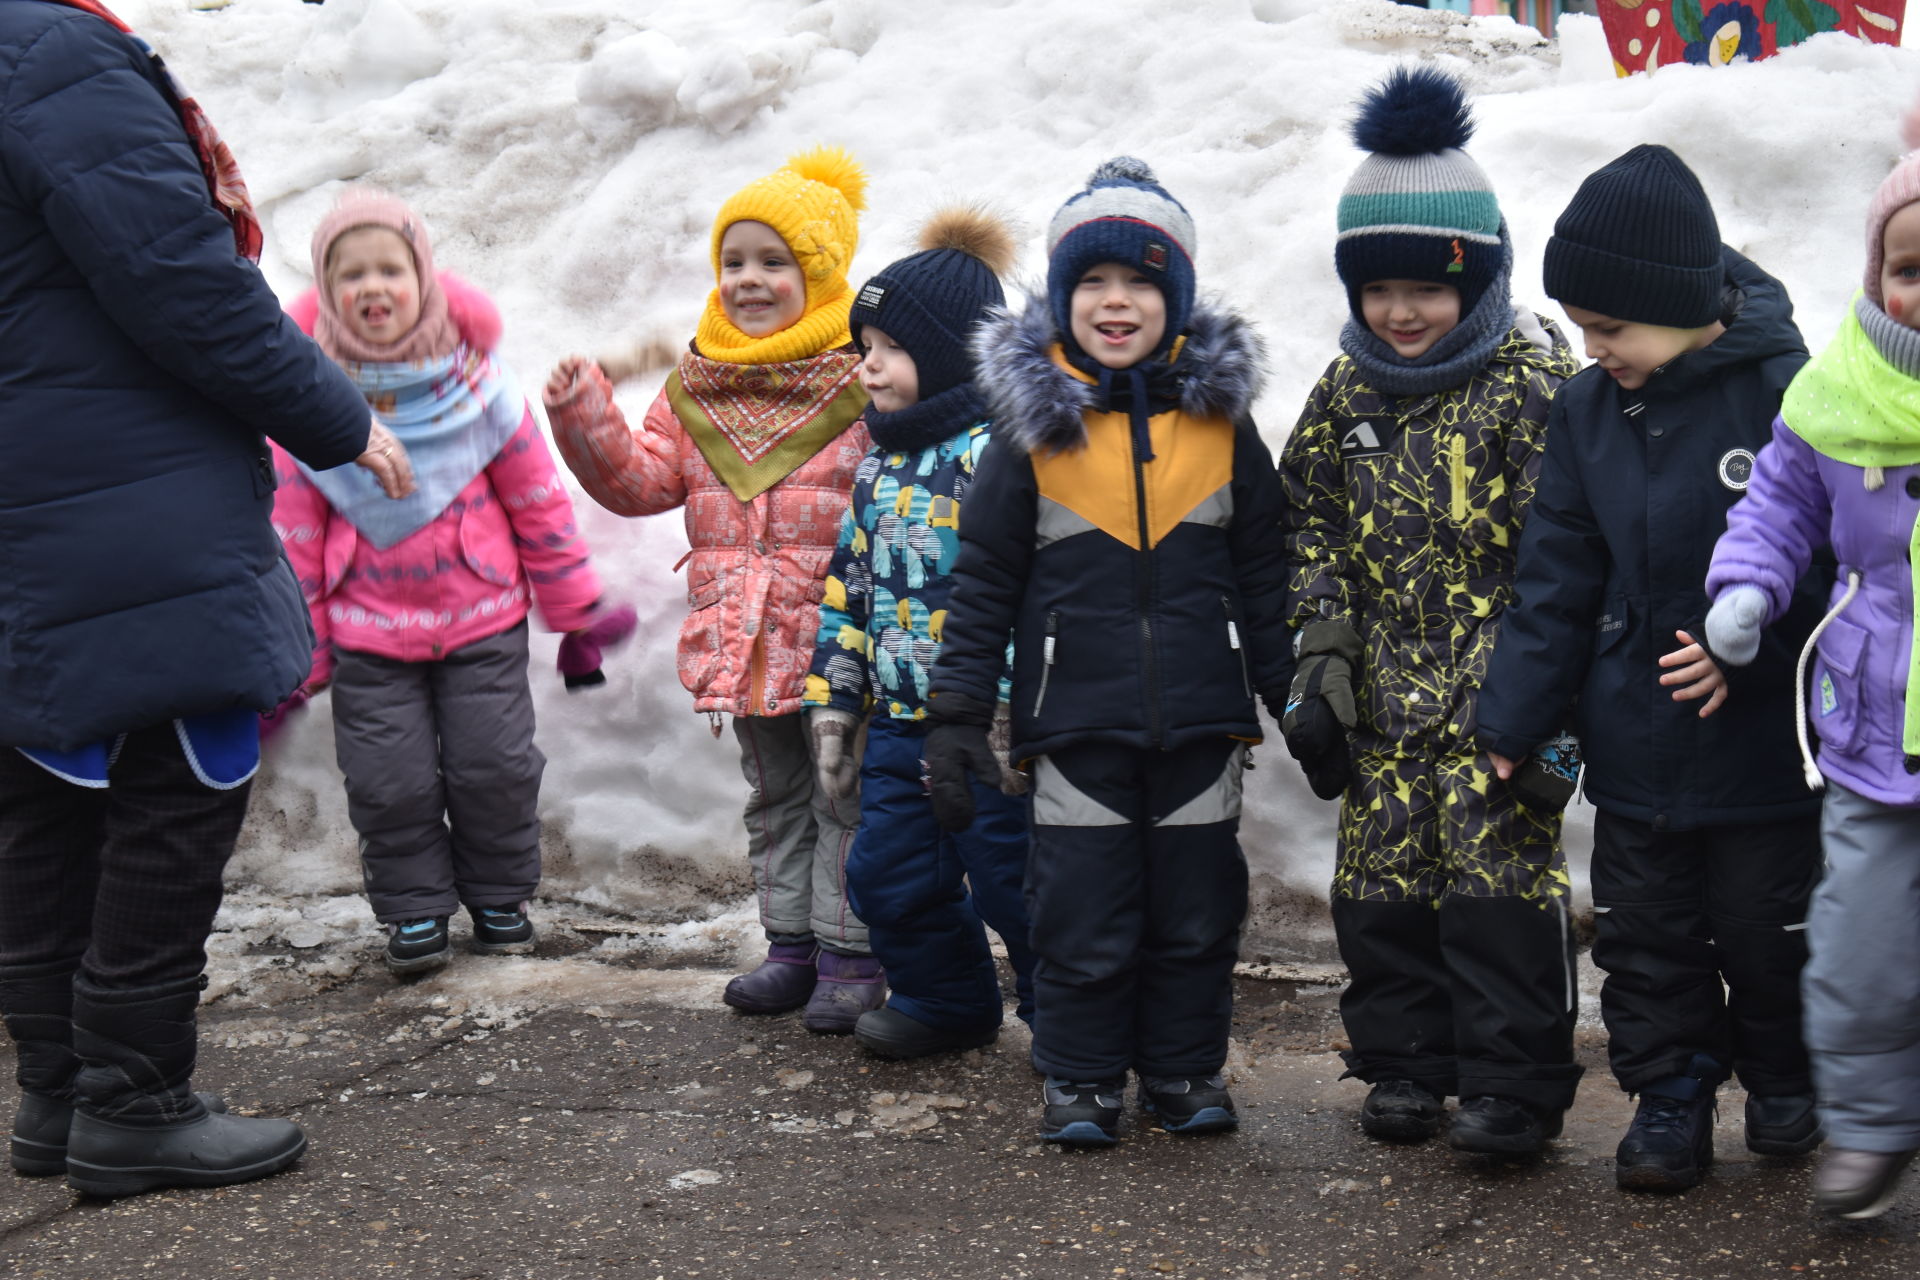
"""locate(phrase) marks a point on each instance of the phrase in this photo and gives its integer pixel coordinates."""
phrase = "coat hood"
(1759, 319)
(1037, 404)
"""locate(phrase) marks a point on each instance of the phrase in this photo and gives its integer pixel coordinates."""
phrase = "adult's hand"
(387, 458)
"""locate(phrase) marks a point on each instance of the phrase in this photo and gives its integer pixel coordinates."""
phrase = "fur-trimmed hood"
(1036, 404)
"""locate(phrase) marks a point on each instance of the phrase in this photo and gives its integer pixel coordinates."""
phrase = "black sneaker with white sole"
(1189, 1104)
(1083, 1114)
(501, 931)
(417, 946)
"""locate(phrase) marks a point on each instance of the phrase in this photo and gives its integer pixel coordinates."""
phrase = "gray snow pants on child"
(1862, 981)
(428, 746)
(797, 837)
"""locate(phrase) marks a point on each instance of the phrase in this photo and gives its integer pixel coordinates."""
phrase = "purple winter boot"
(783, 981)
(849, 986)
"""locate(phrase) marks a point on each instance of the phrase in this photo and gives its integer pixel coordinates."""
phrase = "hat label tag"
(871, 296)
(1153, 254)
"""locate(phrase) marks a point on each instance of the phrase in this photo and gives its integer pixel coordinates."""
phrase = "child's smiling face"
(1118, 315)
(891, 378)
(761, 288)
(374, 284)
(1410, 315)
(1900, 269)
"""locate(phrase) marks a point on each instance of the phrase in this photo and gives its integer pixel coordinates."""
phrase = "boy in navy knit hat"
(1408, 479)
(1706, 844)
(1125, 527)
(922, 892)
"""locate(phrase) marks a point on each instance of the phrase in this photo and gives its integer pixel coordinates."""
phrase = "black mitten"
(1545, 780)
(1320, 708)
(958, 744)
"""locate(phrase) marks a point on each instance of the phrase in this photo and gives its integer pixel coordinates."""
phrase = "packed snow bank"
(570, 154)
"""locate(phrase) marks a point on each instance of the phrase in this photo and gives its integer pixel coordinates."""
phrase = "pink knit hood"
(433, 336)
(1901, 189)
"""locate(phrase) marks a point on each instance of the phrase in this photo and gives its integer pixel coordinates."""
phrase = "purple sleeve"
(1774, 530)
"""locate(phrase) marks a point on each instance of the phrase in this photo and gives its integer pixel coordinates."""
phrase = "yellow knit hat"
(813, 203)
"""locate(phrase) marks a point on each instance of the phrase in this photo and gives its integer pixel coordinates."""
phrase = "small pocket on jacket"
(1837, 681)
(476, 540)
(1610, 628)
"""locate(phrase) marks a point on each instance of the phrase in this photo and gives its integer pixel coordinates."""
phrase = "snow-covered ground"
(569, 156)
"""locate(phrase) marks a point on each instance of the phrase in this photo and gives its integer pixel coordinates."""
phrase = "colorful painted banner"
(1645, 34)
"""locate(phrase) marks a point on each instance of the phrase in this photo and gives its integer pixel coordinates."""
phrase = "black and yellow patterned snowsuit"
(1449, 898)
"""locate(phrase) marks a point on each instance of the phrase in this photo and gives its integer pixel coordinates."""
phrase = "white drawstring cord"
(1811, 771)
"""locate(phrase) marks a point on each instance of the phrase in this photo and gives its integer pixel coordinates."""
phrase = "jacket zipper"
(1046, 668)
(1233, 638)
(1144, 594)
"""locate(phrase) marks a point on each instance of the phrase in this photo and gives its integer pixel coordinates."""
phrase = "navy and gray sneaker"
(1083, 1114)
(417, 946)
(1189, 1104)
(501, 931)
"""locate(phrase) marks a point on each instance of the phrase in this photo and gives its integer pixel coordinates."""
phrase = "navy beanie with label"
(1418, 208)
(930, 301)
(1639, 243)
(1124, 216)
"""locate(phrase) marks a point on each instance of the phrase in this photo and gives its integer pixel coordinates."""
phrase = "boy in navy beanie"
(1409, 477)
(922, 892)
(1706, 844)
(1125, 527)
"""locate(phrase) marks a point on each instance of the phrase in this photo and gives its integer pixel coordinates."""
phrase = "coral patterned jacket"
(508, 536)
(756, 571)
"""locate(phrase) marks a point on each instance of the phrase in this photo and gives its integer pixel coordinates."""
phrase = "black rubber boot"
(137, 1127)
(37, 1001)
(890, 1033)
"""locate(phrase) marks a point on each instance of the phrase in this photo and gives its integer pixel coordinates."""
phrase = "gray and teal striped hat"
(1419, 208)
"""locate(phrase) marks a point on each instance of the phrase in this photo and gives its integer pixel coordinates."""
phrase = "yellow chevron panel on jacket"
(1192, 461)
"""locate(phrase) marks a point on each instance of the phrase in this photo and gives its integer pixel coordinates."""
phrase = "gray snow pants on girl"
(443, 779)
(797, 838)
(1862, 981)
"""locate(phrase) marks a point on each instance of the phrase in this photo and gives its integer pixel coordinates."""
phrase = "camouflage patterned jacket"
(1403, 517)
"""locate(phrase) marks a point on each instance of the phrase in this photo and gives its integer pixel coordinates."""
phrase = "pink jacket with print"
(508, 537)
(757, 570)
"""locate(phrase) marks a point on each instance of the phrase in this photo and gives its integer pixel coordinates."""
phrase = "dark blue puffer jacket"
(141, 361)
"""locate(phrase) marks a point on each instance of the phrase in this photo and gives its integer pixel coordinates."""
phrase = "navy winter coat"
(1634, 491)
(141, 359)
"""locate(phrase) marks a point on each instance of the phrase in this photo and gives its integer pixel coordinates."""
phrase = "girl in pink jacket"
(757, 435)
(419, 606)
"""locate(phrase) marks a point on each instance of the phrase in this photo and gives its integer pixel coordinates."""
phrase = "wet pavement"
(594, 1111)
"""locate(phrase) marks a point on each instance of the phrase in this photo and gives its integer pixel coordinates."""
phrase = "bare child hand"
(1502, 766)
(559, 388)
(1696, 675)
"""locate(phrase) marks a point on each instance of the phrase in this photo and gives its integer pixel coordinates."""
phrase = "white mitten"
(1733, 624)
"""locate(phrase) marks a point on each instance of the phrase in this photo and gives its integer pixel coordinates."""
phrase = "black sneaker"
(1858, 1184)
(1669, 1145)
(892, 1034)
(417, 946)
(1086, 1114)
(1189, 1104)
(1400, 1111)
(1782, 1124)
(501, 931)
(1502, 1126)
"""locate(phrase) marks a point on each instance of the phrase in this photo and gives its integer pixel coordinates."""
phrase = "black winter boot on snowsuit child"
(1408, 479)
(1706, 845)
(1125, 528)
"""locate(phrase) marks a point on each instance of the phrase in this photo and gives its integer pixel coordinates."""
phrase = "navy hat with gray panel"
(1124, 216)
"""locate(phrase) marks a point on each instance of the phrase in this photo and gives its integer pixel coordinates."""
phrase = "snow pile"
(569, 156)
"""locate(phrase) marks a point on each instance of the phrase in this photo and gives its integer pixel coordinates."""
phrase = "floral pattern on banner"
(1646, 34)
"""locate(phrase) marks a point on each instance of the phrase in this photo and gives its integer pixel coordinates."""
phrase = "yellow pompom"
(836, 168)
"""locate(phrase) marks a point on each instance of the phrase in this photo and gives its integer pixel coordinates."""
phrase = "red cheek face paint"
(1895, 307)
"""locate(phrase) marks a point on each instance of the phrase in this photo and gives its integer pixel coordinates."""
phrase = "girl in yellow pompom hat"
(757, 434)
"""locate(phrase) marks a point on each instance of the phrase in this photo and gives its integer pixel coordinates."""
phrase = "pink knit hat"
(433, 335)
(1901, 189)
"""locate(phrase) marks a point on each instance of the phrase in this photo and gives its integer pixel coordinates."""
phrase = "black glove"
(1320, 709)
(1546, 779)
(959, 743)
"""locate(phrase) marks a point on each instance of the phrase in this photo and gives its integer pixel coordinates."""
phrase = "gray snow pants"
(443, 779)
(1862, 981)
(797, 837)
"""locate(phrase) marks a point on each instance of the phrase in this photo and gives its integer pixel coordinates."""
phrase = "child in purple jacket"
(1844, 470)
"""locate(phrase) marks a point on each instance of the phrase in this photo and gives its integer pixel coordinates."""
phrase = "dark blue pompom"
(1416, 111)
(1121, 169)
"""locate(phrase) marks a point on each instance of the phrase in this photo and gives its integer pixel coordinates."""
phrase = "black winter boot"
(37, 1001)
(1669, 1145)
(136, 1126)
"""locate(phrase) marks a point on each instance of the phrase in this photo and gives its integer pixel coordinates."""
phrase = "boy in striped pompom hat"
(1409, 475)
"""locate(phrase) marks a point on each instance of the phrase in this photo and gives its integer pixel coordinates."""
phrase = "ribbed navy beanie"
(1123, 216)
(930, 301)
(1418, 208)
(1639, 243)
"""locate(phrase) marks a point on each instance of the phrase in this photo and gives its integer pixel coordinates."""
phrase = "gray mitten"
(836, 765)
(1733, 624)
(1000, 739)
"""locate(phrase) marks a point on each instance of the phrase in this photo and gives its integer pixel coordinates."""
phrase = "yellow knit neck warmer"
(822, 328)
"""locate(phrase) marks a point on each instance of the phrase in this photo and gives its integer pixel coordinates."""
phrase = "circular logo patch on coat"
(1736, 468)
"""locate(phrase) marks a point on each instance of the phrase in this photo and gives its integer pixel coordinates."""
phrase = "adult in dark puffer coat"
(149, 614)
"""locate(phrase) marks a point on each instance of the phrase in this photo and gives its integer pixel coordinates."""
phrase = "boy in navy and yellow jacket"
(1125, 530)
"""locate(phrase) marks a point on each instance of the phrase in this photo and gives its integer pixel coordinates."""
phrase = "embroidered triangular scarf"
(755, 424)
